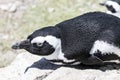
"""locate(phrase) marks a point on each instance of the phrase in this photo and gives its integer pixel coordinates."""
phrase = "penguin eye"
(39, 44)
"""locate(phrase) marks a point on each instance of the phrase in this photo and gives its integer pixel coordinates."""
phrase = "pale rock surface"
(7, 58)
(87, 74)
(16, 70)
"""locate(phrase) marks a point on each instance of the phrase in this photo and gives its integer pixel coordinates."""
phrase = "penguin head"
(41, 42)
(113, 6)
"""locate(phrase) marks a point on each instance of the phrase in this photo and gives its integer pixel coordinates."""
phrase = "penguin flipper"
(93, 60)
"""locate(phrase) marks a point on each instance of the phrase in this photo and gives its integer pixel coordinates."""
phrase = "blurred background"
(19, 18)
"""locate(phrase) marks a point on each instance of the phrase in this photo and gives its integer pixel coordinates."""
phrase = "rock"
(34, 74)
(7, 58)
(4, 7)
(24, 67)
(4, 36)
(51, 9)
(64, 73)
(8, 7)
(12, 8)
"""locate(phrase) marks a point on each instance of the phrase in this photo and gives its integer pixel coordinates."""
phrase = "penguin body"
(91, 39)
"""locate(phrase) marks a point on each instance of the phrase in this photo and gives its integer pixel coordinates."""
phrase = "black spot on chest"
(106, 56)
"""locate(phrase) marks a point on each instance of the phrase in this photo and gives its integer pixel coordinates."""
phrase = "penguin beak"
(21, 45)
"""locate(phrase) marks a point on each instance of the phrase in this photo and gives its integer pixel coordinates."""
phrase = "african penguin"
(91, 39)
(113, 7)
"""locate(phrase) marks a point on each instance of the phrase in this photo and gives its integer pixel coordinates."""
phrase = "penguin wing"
(93, 60)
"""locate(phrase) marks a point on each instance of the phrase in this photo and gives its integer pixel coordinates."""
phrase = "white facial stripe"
(50, 39)
(115, 5)
(39, 39)
(105, 47)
